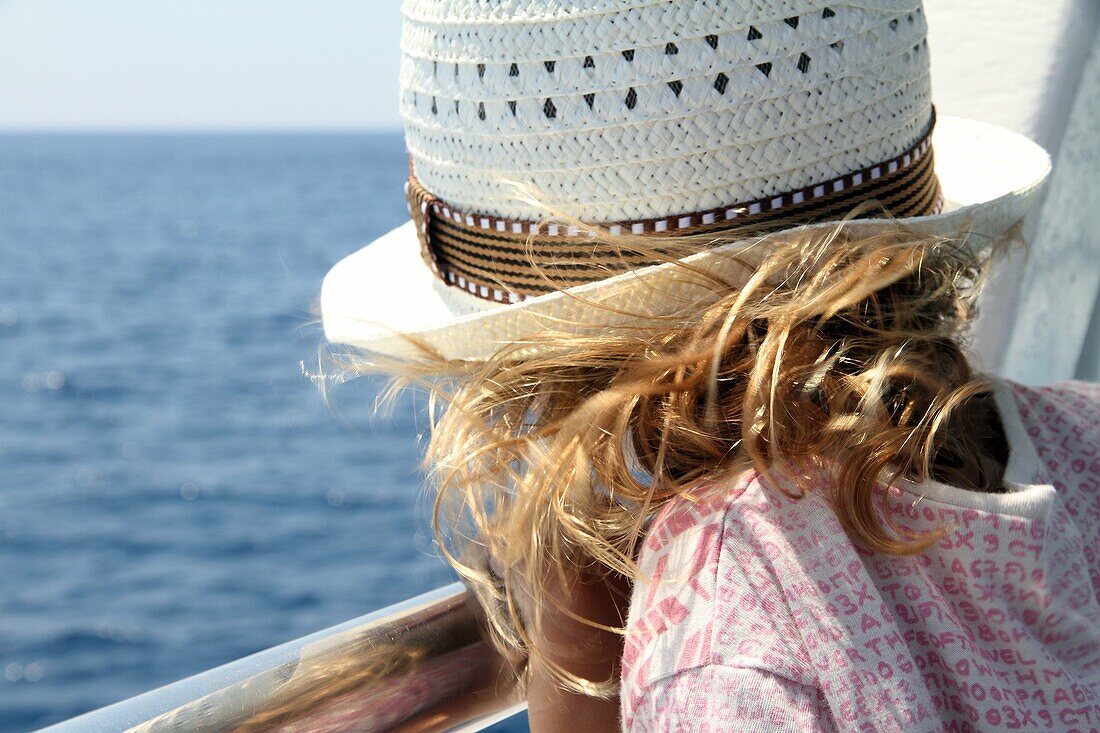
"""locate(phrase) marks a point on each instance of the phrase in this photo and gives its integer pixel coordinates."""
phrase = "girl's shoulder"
(743, 509)
(712, 562)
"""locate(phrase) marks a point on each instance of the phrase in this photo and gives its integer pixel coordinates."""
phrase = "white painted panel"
(1062, 277)
(1016, 63)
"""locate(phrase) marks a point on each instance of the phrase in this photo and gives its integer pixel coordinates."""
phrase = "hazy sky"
(199, 63)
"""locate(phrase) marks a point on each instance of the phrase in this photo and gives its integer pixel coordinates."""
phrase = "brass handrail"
(420, 665)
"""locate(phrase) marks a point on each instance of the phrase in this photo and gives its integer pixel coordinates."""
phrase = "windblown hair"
(838, 348)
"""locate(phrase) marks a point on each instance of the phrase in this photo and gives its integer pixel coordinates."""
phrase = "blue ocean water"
(174, 493)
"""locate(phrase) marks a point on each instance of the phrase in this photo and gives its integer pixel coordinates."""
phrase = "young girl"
(693, 292)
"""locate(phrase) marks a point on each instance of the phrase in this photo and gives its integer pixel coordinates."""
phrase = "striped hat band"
(507, 260)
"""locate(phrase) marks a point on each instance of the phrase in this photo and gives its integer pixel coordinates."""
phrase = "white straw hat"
(653, 118)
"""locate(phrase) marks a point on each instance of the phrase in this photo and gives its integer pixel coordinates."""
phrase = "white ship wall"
(1034, 67)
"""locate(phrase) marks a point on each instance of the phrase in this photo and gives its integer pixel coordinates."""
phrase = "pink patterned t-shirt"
(758, 613)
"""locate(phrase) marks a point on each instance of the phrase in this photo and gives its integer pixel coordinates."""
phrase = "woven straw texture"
(615, 111)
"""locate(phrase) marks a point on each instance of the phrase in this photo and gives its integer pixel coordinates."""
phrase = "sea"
(175, 490)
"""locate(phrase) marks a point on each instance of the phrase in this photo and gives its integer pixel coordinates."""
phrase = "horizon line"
(198, 129)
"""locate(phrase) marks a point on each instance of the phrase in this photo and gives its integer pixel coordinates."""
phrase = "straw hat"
(656, 118)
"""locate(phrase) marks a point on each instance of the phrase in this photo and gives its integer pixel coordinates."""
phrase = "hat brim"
(384, 299)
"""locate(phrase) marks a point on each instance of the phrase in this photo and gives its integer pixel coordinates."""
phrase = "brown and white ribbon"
(507, 261)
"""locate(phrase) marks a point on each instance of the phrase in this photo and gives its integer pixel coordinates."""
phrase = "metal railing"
(421, 665)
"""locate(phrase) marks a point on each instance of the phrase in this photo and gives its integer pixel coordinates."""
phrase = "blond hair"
(840, 347)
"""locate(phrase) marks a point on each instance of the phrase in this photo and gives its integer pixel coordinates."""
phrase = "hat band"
(495, 259)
